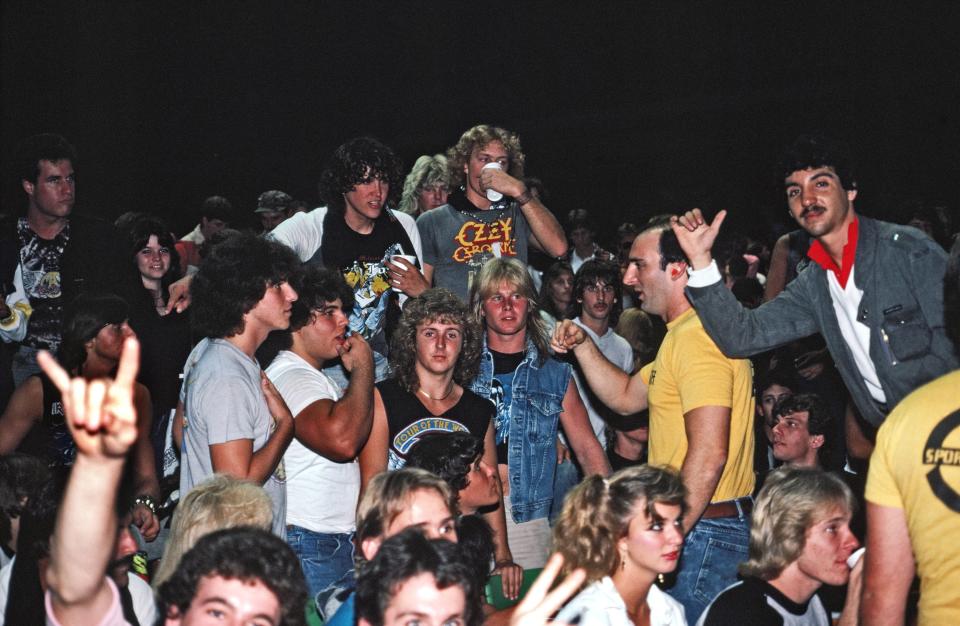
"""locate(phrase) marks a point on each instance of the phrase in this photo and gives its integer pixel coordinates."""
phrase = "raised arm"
(620, 392)
(339, 429)
(103, 422)
(546, 234)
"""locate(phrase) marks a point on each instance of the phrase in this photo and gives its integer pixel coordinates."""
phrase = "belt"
(729, 508)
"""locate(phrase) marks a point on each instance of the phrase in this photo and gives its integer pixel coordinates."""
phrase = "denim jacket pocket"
(545, 409)
(905, 333)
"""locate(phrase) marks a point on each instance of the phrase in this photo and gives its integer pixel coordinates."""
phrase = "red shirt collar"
(818, 254)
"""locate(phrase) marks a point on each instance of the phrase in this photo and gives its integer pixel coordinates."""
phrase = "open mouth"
(814, 210)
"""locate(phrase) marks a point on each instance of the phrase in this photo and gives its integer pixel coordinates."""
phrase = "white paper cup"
(854, 558)
(492, 194)
(408, 257)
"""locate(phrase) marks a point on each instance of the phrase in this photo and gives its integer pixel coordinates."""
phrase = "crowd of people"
(363, 414)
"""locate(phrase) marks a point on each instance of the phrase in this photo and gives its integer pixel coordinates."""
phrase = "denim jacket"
(900, 271)
(538, 390)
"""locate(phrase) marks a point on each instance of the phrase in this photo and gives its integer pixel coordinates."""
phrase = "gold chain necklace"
(445, 396)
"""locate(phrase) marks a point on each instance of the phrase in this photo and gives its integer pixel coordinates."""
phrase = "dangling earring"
(660, 578)
(623, 561)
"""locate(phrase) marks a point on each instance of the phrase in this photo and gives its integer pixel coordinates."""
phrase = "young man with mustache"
(872, 289)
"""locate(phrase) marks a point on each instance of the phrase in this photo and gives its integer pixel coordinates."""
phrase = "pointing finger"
(129, 363)
(52, 369)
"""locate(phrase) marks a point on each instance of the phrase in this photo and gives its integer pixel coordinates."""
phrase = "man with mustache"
(872, 289)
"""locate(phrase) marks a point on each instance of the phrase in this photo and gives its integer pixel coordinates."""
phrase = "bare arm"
(576, 425)
(620, 392)
(708, 432)
(237, 458)
(777, 273)
(102, 421)
(546, 234)
(338, 430)
(889, 567)
(511, 574)
(23, 411)
(145, 470)
(428, 272)
(373, 456)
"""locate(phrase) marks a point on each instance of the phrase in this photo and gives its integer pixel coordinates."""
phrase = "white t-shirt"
(618, 351)
(321, 494)
(599, 604)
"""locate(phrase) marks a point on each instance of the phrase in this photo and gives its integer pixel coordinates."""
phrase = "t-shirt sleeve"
(300, 389)
(881, 486)
(228, 407)
(301, 233)
(704, 375)
(426, 227)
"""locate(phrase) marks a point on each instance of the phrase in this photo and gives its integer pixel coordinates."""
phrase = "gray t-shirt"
(458, 241)
(223, 401)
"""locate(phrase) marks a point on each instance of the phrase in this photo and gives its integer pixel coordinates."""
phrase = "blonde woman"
(624, 532)
(216, 503)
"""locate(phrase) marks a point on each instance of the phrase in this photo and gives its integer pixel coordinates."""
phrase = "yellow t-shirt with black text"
(690, 372)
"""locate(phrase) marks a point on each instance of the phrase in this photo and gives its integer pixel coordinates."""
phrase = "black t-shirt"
(50, 439)
(408, 418)
(501, 394)
(362, 259)
(756, 602)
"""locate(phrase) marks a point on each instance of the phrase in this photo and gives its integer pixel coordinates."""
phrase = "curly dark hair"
(817, 150)
(596, 271)
(139, 234)
(245, 553)
(43, 147)
(404, 556)
(21, 476)
(355, 162)
(434, 305)
(82, 320)
(448, 455)
(478, 137)
(818, 417)
(233, 279)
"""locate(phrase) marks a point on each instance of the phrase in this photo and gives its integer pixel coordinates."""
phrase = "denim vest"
(535, 408)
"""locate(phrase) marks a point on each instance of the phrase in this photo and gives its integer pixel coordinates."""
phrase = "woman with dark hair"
(94, 329)
(164, 337)
(556, 292)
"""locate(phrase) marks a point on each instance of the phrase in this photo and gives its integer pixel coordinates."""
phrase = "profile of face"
(792, 441)
(817, 200)
(644, 276)
(220, 600)
(271, 219)
(482, 489)
(768, 400)
(561, 290)
(325, 331)
(153, 261)
(505, 310)
(652, 546)
(493, 152)
(273, 310)
(829, 543)
(432, 196)
(438, 346)
(418, 601)
(53, 193)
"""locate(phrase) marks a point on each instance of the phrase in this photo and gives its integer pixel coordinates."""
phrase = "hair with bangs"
(435, 305)
(597, 513)
(388, 494)
(427, 170)
(512, 272)
(792, 500)
(477, 137)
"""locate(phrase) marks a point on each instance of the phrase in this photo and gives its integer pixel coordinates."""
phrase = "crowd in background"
(405, 400)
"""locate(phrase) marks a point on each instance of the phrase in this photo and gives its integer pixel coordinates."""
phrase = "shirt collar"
(818, 254)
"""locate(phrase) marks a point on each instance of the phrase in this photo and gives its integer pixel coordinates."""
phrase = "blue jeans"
(566, 478)
(324, 557)
(711, 553)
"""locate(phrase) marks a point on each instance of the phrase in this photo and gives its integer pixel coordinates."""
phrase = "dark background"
(626, 109)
